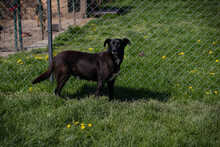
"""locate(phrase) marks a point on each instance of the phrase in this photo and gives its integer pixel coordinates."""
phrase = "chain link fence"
(174, 43)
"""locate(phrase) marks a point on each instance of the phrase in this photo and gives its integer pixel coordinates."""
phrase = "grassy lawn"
(167, 93)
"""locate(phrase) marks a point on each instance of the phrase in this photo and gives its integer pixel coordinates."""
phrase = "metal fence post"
(15, 24)
(19, 24)
(49, 20)
(40, 16)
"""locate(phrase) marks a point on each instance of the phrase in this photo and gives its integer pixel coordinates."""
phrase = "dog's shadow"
(122, 93)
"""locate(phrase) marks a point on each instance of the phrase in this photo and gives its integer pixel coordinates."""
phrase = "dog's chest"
(114, 75)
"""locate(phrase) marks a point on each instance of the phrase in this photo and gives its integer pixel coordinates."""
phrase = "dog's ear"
(107, 41)
(126, 41)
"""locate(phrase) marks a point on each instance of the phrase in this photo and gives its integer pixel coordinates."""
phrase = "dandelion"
(82, 124)
(216, 61)
(210, 52)
(163, 57)
(76, 123)
(214, 43)
(178, 85)
(68, 126)
(144, 20)
(83, 127)
(190, 88)
(191, 72)
(146, 37)
(39, 58)
(5, 61)
(182, 53)
(30, 89)
(124, 56)
(212, 73)
(90, 48)
(194, 70)
(199, 41)
(26, 57)
(207, 93)
(90, 125)
(216, 92)
(18, 61)
(94, 29)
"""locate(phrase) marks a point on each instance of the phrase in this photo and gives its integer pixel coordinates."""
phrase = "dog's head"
(117, 46)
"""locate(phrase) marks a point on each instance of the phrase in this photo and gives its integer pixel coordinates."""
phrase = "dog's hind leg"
(61, 81)
(99, 88)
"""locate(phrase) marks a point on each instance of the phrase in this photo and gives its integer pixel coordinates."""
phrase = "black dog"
(101, 67)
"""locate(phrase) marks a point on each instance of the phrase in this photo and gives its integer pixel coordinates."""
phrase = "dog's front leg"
(111, 89)
(99, 87)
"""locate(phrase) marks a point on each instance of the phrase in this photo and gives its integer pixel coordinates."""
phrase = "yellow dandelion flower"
(163, 57)
(90, 125)
(30, 89)
(191, 72)
(207, 93)
(5, 61)
(214, 43)
(22, 63)
(26, 57)
(178, 85)
(82, 124)
(76, 123)
(182, 53)
(210, 52)
(216, 61)
(18, 61)
(216, 92)
(39, 58)
(83, 127)
(124, 56)
(190, 88)
(194, 70)
(68, 126)
(144, 20)
(199, 41)
(90, 48)
(145, 37)
(212, 73)
(94, 29)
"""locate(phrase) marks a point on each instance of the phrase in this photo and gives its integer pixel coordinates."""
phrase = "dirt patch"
(33, 38)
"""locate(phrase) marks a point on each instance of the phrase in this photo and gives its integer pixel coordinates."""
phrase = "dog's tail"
(45, 75)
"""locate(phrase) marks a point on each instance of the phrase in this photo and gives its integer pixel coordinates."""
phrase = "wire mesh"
(174, 43)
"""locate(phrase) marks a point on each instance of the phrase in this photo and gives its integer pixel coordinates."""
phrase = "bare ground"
(7, 42)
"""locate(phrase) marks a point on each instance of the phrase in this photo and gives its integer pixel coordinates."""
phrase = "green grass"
(154, 105)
